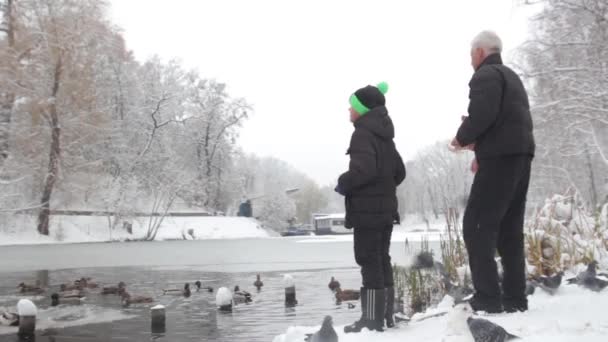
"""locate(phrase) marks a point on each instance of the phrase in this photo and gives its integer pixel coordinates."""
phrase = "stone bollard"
(158, 315)
(223, 299)
(290, 291)
(27, 318)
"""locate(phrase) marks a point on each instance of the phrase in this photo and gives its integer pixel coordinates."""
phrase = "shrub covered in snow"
(564, 234)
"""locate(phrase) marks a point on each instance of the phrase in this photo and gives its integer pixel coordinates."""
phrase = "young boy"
(369, 187)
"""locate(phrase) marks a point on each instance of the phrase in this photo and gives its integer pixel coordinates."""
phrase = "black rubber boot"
(372, 311)
(390, 307)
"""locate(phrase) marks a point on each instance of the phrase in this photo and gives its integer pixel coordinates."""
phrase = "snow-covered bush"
(564, 234)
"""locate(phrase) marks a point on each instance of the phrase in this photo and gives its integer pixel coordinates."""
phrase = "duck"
(114, 289)
(333, 284)
(71, 294)
(258, 283)
(56, 300)
(177, 292)
(241, 297)
(9, 319)
(346, 295)
(71, 287)
(127, 299)
(199, 286)
(35, 289)
(88, 284)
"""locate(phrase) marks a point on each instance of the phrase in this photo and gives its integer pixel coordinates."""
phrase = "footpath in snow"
(573, 314)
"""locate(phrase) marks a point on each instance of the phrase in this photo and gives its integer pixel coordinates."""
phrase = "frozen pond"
(147, 268)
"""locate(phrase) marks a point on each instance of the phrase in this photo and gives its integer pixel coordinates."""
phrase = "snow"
(574, 314)
(26, 307)
(223, 297)
(413, 232)
(288, 281)
(158, 307)
(77, 229)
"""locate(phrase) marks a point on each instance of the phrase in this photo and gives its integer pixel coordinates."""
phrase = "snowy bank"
(574, 314)
(78, 229)
(413, 233)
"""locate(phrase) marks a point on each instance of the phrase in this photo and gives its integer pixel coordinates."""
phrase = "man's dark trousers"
(494, 220)
(372, 254)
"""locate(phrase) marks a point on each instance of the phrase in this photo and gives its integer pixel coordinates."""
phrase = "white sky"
(298, 61)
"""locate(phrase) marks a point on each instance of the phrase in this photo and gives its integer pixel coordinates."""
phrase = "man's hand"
(455, 146)
(474, 165)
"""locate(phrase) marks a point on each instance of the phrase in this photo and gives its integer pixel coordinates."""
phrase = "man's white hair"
(489, 41)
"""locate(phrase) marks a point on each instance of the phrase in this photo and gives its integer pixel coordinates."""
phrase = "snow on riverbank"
(573, 314)
(414, 233)
(77, 229)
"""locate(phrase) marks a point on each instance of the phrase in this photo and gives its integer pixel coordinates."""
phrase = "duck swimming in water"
(114, 289)
(71, 287)
(87, 283)
(241, 297)
(199, 286)
(34, 289)
(56, 300)
(177, 292)
(127, 299)
(258, 283)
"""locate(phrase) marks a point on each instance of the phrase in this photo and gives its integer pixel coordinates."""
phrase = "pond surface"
(150, 267)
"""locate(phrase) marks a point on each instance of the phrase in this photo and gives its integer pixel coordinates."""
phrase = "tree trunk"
(55, 152)
(7, 99)
(591, 178)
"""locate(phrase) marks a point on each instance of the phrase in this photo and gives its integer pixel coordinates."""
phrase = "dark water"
(147, 268)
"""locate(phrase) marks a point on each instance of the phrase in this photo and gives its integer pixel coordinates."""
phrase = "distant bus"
(330, 224)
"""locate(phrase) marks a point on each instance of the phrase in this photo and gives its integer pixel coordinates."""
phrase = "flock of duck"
(75, 293)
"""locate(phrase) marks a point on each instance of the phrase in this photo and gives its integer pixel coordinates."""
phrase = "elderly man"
(499, 130)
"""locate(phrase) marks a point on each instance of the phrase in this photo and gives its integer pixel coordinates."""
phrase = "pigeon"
(589, 279)
(486, 331)
(326, 334)
(549, 284)
(461, 294)
(530, 287)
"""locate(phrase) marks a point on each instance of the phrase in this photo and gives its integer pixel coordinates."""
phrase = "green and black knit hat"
(369, 97)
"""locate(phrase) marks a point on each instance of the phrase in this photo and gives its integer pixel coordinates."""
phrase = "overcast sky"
(297, 62)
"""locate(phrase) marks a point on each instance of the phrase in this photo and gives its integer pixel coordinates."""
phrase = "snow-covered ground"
(573, 314)
(413, 232)
(77, 229)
